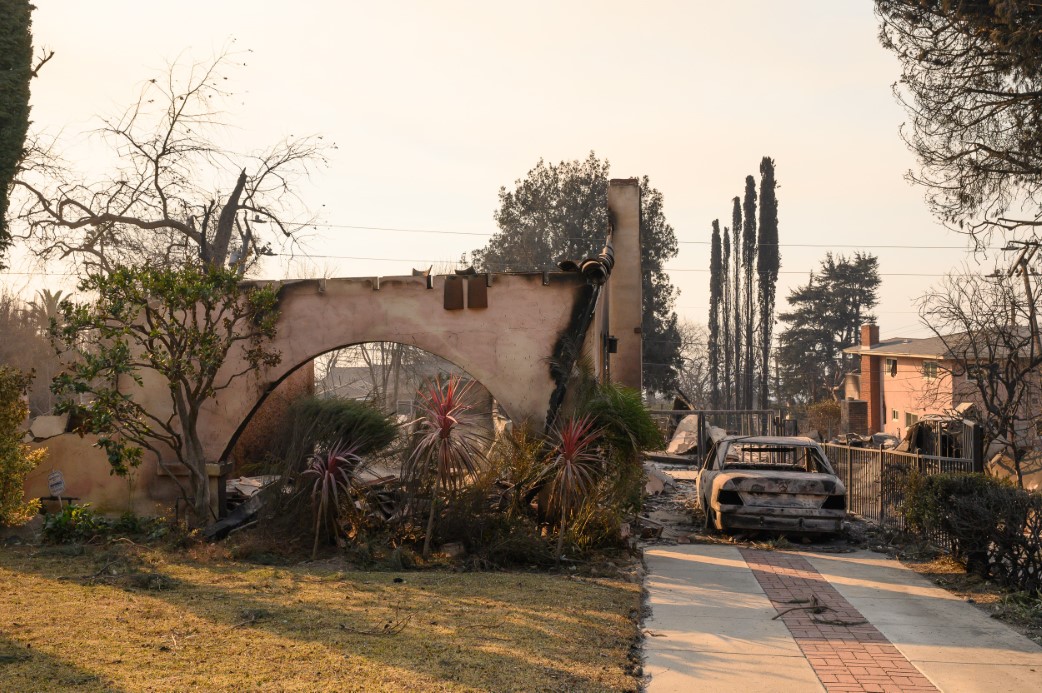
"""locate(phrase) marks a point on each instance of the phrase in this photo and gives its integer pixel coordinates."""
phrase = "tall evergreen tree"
(716, 275)
(727, 346)
(768, 260)
(735, 374)
(824, 317)
(748, 260)
(16, 53)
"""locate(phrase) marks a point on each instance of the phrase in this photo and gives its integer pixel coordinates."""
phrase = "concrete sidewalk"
(712, 627)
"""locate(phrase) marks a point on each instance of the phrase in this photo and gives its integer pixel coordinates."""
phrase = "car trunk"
(783, 489)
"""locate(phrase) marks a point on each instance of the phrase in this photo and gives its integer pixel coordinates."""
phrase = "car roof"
(772, 440)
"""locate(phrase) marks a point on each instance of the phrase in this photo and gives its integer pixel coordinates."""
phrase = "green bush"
(326, 421)
(316, 426)
(625, 423)
(627, 430)
(74, 524)
(991, 525)
(16, 458)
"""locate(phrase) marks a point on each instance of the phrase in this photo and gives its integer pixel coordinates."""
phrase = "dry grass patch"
(130, 619)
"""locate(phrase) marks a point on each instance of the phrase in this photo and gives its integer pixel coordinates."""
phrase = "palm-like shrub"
(574, 470)
(625, 422)
(333, 474)
(446, 447)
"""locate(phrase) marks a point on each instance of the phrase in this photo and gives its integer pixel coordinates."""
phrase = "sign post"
(56, 484)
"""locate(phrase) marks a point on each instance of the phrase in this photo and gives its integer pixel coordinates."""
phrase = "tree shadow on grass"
(24, 668)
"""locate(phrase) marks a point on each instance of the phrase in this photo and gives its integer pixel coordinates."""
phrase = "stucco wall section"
(88, 477)
(507, 346)
(908, 392)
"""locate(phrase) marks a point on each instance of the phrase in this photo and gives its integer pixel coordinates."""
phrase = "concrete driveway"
(851, 622)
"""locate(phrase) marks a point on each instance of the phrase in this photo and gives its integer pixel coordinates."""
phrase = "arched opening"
(385, 375)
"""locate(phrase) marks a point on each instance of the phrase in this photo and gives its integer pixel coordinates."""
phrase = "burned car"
(771, 483)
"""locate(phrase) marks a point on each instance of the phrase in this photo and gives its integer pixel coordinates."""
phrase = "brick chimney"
(869, 335)
(871, 380)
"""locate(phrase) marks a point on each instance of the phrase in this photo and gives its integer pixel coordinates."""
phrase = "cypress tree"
(715, 285)
(727, 345)
(16, 53)
(748, 259)
(735, 374)
(768, 260)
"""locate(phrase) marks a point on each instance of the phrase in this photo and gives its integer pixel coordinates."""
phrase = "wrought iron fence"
(875, 478)
(746, 422)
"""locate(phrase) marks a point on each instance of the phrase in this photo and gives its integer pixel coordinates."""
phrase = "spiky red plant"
(573, 469)
(446, 449)
(335, 471)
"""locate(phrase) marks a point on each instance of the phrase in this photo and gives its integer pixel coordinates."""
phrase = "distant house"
(904, 379)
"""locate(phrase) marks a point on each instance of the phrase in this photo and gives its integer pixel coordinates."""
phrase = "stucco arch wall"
(506, 346)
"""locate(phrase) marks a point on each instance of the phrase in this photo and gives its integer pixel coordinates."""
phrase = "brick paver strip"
(845, 657)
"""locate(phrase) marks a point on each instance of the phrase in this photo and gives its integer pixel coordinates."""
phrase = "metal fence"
(875, 478)
(746, 422)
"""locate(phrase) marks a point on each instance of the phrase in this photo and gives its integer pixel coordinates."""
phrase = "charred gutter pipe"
(596, 270)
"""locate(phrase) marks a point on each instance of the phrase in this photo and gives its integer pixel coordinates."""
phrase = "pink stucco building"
(903, 379)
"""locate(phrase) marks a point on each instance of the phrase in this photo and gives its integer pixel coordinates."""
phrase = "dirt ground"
(675, 517)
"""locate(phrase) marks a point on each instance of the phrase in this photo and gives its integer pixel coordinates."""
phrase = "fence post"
(882, 489)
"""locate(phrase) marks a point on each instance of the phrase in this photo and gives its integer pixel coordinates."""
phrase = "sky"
(433, 106)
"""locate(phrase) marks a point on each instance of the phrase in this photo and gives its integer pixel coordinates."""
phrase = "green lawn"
(129, 619)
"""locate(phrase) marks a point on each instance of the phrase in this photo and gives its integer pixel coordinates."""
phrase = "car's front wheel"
(710, 516)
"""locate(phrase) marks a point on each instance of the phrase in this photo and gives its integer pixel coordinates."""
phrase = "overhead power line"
(854, 246)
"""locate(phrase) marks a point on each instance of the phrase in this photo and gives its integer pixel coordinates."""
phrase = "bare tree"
(991, 359)
(971, 81)
(163, 203)
(694, 376)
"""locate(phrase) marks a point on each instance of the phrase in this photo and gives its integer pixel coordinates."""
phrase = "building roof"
(927, 348)
(960, 344)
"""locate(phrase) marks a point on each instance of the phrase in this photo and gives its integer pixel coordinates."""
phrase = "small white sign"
(56, 483)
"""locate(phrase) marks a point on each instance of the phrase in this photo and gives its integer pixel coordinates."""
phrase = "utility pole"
(1021, 265)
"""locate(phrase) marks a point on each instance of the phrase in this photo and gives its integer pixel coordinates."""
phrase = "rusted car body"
(771, 483)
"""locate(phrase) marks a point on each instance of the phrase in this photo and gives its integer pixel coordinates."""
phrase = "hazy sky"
(434, 105)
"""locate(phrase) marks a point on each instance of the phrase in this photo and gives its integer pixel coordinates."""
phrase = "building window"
(910, 419)
(891, 367)
(893, 414)
(930, 370)
(981, 373)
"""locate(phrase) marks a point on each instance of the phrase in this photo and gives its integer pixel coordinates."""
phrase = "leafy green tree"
(180, 324)
(971, 82)
(16, 458)
(825, 317)
(16, 52)
(748, 261)
(768, 262)
(716, 279)
(557, 211)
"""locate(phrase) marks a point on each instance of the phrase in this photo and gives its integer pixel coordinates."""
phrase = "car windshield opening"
(794, 458)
